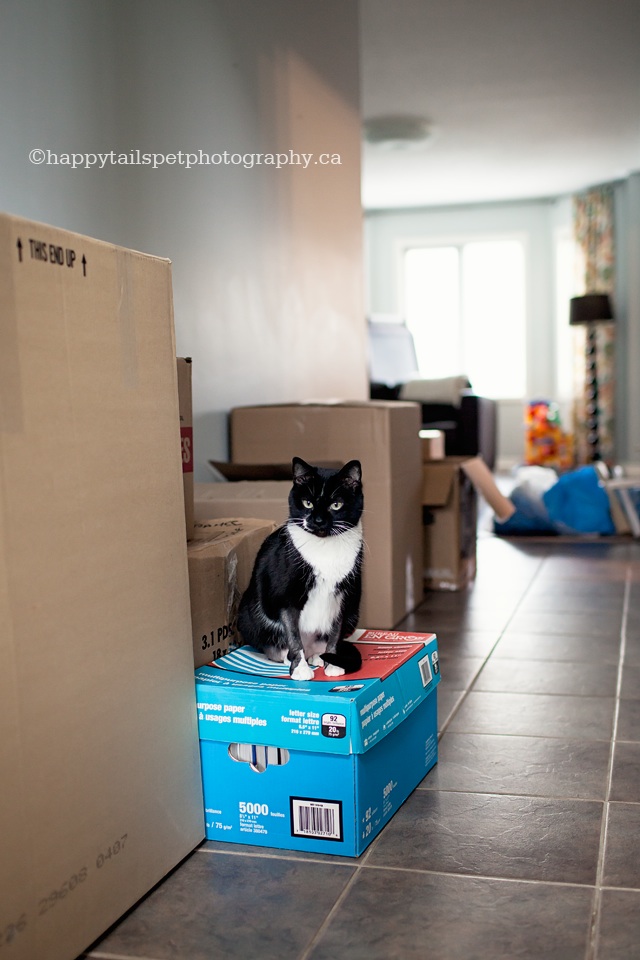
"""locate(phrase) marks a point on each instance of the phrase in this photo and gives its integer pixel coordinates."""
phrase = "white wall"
(267, 263)
(627, 309)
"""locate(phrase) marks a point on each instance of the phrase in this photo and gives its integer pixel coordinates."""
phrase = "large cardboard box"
(319, 765)
(221, 558)
(186, 437)
(450, 522)
(101, 788)
(263, 499)
(384, 437)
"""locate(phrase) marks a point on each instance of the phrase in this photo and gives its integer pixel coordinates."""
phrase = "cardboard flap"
(437, 483)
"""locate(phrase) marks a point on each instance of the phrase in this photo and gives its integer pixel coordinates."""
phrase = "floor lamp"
(591, 309)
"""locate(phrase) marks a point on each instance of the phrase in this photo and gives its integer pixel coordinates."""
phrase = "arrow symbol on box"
(19, 246)
(84, 265)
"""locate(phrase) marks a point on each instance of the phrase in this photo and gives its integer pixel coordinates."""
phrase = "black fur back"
(304, 596)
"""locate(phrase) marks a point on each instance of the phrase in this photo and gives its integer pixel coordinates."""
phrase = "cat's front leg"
(332, 669)
(299, 668)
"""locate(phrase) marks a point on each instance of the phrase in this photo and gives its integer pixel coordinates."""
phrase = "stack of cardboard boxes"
(383, 436)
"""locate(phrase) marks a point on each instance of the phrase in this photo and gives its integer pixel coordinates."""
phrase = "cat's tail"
(346, 656)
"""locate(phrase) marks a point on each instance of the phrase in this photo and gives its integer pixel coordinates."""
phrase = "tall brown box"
(450, 520)
(101, 791)
(186, 437)
(384, 437)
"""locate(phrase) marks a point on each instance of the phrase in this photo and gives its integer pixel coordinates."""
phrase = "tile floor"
(524, 840)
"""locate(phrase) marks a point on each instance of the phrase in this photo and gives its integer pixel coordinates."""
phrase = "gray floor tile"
(630, 689)
(632, 649)
(590, 623)
(466, 643)
(571, 601)
(478, 619)
(619, 934)
(457, 673)
(535, 676)
(555, 647)
(516, 838)
(622, 854)
(552, 590)
(218, 907)
(535, 715)
(629, 720)
(527, 766)
(590, 562)
(625, 782)
(411, 916)
(448, 700)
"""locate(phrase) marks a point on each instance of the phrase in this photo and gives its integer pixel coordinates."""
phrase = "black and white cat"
(304, 596)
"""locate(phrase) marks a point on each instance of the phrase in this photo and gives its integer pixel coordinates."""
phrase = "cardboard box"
(320, 765)
(101, 789)
(432, 443)
(384, 437)
(221, 558)
(450, 522)
(186, 437)
(262, 499)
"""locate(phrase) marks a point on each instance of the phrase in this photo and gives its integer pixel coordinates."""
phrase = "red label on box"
(186, 437)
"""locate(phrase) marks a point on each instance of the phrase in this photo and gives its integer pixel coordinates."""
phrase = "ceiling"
(526, 98)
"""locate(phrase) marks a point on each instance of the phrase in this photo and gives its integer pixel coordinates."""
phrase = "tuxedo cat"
(304, 594)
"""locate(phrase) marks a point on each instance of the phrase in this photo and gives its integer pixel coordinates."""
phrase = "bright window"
(465, 306)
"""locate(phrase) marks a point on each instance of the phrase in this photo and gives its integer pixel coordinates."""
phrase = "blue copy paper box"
(319, 765)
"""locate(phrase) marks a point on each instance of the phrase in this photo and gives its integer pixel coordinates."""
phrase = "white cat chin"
(333, 670)
(303, 671)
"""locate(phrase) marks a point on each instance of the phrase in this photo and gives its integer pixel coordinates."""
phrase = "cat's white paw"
(302, 672)
(333, 670)
(315, 660)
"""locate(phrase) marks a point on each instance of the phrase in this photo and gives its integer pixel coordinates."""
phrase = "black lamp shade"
(592, 308)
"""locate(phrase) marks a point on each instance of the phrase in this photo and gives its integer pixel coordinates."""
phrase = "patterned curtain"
(593, 231)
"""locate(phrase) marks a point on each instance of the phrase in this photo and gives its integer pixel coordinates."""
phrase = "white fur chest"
(332, 559)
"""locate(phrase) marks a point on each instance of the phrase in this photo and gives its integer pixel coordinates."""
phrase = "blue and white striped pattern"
(248, 660)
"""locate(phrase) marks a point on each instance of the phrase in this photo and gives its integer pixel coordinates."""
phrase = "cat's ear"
(351, 473)
(302, 472)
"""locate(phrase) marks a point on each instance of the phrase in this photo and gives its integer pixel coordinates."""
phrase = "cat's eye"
(337, 505)
(307, 504)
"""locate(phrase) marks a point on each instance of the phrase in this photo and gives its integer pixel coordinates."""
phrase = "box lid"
(328, 403)
(244, 697)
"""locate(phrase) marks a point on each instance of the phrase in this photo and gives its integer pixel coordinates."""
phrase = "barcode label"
(321, 819)
(425, 671)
